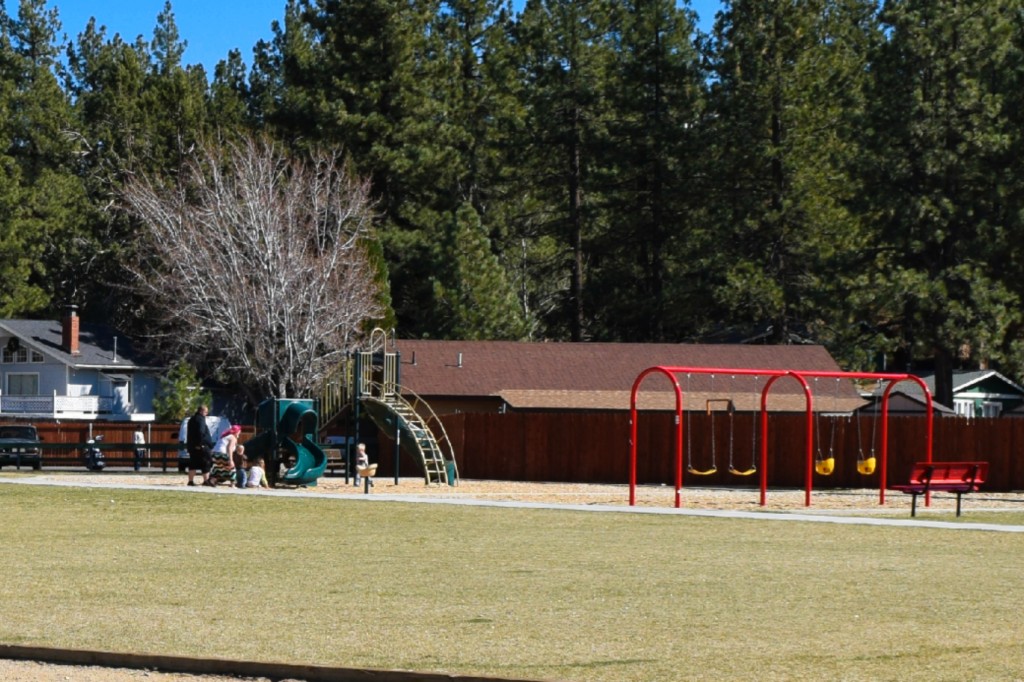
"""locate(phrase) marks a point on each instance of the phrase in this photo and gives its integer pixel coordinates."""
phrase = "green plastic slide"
(288, 426)
(310, 462)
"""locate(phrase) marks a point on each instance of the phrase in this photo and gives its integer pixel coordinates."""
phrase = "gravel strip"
(861, 501)
(32, 671)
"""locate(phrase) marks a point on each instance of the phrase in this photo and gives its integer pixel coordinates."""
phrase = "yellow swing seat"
(744, 472)
(866, 466)
(702, 472)
(825, 466)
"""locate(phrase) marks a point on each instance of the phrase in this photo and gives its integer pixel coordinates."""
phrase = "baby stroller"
(93, 456)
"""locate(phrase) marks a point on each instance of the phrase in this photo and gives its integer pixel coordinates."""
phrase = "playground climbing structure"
(286, 435)
(369, 384)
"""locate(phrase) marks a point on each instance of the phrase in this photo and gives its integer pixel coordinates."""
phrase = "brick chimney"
(69, 330)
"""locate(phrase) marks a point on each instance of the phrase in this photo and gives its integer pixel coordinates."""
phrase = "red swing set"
(773, 375)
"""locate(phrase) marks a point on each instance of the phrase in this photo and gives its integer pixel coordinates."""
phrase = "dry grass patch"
(536, 594)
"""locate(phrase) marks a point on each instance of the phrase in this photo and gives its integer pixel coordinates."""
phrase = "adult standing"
(198, 442)
(223, 468)
(139, 439)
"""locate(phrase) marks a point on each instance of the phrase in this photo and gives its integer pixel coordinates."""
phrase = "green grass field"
(534, 594)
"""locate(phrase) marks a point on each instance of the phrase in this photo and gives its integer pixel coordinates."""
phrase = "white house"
(981, 393)
(72, 370)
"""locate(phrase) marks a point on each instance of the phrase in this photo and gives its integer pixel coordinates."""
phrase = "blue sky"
(211, 27)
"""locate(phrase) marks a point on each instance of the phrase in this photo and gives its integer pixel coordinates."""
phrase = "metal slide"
(397, 418)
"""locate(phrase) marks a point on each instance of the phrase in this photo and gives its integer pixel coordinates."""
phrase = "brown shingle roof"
(648, 400)
(600, 375)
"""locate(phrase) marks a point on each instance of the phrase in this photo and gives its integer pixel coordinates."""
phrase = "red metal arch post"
(671, 373)
(632, 431)
(773, 375)
(809, 435)
(929, 431)
(892, 380)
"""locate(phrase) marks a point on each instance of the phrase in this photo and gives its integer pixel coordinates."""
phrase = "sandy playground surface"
(848, 501)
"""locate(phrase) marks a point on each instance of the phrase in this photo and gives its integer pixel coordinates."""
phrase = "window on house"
(991, 408)
(16, 355)
(22, 384)
(964, 408)
(121, 386)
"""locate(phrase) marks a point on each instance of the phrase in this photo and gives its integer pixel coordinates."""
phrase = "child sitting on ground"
(257, 477)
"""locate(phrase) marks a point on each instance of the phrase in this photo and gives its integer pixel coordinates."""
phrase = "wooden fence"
(594, 447)
(62, 442)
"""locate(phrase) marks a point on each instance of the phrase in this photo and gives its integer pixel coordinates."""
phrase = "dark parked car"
(19, 444)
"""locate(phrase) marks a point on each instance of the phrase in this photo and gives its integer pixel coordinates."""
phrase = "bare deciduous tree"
(256, 262)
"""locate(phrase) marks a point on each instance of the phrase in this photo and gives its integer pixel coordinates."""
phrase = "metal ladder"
(356, 380)
(428, 445)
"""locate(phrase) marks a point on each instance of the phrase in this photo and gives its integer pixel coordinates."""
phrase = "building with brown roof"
(501, 376)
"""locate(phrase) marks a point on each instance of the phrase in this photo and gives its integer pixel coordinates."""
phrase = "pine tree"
(644, 277)
(290, 93)
(179, 393)
(786, 99)
(472, 85)
(566, 53)
(138, 109)
(940, 196)
(229, 96)
(174, 97)
(1007, 262)
(351, 74)
(475, 298)
(39, 162)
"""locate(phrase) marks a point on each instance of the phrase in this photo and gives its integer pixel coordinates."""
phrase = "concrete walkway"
(589, 508)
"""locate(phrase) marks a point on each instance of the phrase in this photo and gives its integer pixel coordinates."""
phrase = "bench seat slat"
(952, 477)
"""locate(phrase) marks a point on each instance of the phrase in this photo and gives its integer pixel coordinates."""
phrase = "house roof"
(963, 381)
(904, 401)
(601, 375)
(101, 347)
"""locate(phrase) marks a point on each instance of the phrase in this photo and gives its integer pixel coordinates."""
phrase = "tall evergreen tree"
(20, 242)
(475, 299)
(472, 88)
(139, 109)
(566, 53)
(940, 196)
(1008, 262)
(364, 90)
(229, 110)
(645, 273)
(174, 96)
(787, 95)
(106, 79)
(40, 160)
(289, 94)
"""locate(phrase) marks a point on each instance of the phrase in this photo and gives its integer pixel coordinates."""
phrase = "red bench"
(949, 477)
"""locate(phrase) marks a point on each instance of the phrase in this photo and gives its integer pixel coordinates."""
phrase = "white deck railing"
(66, 406)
